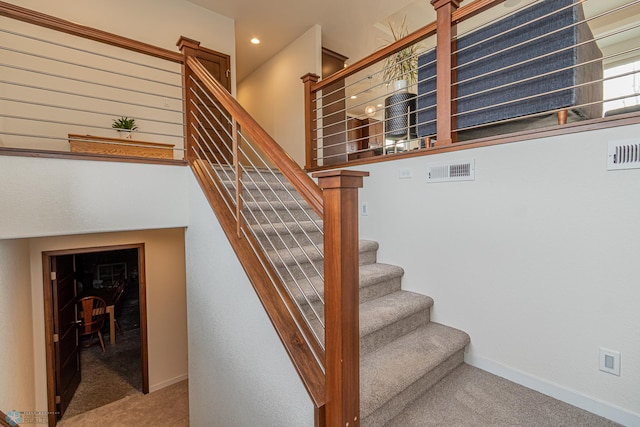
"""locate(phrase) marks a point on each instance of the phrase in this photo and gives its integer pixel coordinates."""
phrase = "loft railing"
(479, 71)
(297, 240)
(64, 84)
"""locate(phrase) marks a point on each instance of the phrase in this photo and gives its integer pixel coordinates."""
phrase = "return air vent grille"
(623, 155)
(459, 170)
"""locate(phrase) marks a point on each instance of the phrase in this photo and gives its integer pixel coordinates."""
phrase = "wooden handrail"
(260, 272)
(296, 176)
(430, 29)
(36, 18)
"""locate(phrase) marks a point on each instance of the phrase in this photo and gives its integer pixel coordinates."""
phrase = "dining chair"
(92, 312)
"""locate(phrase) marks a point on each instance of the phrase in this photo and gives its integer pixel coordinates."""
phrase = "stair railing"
(300, 253)
(63, 92)
(516, 70)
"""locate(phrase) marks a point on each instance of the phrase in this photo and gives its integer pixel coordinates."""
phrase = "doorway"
(98, 271)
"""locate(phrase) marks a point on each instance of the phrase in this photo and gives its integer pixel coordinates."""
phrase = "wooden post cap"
(340, 178)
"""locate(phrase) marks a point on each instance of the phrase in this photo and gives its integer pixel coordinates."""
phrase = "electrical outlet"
(165, 102)
(364, 209)
(405, 173)
(610, 361)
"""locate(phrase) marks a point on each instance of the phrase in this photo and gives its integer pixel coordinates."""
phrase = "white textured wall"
(537, 260)
(74, 199)
(239, 372)
(166, 300)
(274, 93)
(16, 334)
(45, 197)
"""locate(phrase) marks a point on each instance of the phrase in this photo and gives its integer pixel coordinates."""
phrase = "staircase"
(402, 352)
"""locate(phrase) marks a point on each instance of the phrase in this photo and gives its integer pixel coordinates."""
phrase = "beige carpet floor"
(109, 376)
(166, 407)
(470, 397)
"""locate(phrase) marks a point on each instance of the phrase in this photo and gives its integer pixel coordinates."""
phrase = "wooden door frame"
(48, 316)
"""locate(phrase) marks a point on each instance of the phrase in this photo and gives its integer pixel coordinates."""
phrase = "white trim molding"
(556, 391)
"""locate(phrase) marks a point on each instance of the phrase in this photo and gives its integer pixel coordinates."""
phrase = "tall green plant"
(402, 65)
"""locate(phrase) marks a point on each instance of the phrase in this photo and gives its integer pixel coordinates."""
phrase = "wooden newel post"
(311, 143)
(341, 279)
(444, 10)
(188, 47)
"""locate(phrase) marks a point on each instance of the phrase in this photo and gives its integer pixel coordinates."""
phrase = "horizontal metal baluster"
(284, 264)
(89, 67)
(74, 79)
(98, 98)
(311, 218)
(283, 222)
(90, 52)
(82, 110)
(319, 357)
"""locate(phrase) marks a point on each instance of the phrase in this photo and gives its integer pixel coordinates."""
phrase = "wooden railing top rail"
(428, 30)
(298, 178)
(32, 17)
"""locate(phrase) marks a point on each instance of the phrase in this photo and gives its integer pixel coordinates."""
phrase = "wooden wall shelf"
(119, 147)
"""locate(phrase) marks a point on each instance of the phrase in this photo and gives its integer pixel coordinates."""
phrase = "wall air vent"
(623, 155)
(457, 170)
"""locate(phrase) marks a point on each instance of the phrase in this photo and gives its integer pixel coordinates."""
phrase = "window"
(624, 90)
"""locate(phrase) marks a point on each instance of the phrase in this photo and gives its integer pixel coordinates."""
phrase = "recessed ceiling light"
(353, 97)
(255, 40)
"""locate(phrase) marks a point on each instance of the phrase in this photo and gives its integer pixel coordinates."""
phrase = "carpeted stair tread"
(265, 186)
(384, 319)
(393, 368)
(277, 205)
(391, 308)
(309, 253)
(306, 226)
(376, 280)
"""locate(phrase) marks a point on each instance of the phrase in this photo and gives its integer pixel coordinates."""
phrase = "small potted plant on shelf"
(125, 126)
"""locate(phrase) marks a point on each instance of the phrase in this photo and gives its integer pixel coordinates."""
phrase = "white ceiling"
(354, 28)
(347, 25)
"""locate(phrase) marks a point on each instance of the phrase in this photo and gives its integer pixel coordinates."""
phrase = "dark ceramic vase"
(400, 116)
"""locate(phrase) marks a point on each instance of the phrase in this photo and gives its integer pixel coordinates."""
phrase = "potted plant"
(125, 126)
(401, 68)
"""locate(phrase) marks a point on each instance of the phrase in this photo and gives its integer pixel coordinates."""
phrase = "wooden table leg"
(112, 329)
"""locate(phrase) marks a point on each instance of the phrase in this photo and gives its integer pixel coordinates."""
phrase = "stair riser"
(398, 403)
(368, 257)
(379, 289)
(269, 194)
(260, 188)
(268, 215)
(384, 336)
(282, 241)
(299, 272)
(377, 339)
(366, 293)
(295, 270)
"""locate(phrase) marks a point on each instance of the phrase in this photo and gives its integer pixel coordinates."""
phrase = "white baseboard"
(167, 383)
(556, 391)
